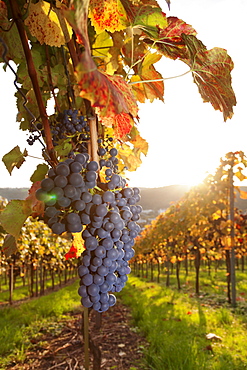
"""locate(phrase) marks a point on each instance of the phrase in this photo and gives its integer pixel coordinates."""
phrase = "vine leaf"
(243, 194)
(14, 215)
(110, 94)
(38, 207)
(150, 20)
(107, 15)
(149, 90)
(43, 23)
(129, 158)
(169, 41)
(76, 248)
(39, 173)
(140, 145)
(11, 38)
(211, 71)
(14, 158)
(9, 245)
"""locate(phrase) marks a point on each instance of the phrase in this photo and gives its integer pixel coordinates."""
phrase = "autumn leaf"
(14, 158)
(43, 23)
(243, 194)
(14, 216)
(140, 144)
(131, 161)
(240, 175)
(9, 245)
(149, 89)
(9, 34)
(169, 41)
(38, 207)
(107, 15)
(150, 20)
(77, 246)
(211, 70)
(110, 94)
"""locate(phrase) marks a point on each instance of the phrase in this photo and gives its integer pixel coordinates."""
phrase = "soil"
(113, 346)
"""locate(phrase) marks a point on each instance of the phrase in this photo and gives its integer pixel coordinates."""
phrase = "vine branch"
(33, 76)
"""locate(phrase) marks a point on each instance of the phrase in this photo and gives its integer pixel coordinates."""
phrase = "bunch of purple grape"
(109, 241)
(105, 212)
(68, 123)
(66, 194)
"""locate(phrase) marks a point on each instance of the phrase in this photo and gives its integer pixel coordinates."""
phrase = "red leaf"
(211, 70)
(110, 94)
(77, 246)
(38, 206)
(72, 253)
(170, 42)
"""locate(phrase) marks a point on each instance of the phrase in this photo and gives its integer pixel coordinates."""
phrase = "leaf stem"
(33, 76)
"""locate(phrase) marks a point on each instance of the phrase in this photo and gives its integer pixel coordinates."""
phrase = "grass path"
(176, 326)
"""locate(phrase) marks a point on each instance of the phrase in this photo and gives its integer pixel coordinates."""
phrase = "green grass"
(21, 323)
(22, 292)
(175, 325)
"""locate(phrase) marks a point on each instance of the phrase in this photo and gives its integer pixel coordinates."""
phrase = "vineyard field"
(161, 327)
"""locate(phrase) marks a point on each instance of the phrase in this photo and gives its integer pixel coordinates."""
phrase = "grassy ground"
(20, 323)
(176, 323)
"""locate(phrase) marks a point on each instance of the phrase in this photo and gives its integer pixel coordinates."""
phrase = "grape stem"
(33, 76)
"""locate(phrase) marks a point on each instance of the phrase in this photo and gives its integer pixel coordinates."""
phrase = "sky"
(186, 137)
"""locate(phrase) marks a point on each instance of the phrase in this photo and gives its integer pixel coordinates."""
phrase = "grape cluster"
(32, 138)
(66, 194)
(109, 241)
(68, 123)
(105, 212)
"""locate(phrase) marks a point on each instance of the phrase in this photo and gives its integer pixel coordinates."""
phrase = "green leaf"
(14, 216)
(102, 44)
(14, 158)
(39, 173)
(9, 245)
(150, 20)
(63, 149)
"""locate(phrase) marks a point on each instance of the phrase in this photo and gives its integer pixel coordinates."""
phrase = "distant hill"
(155, 199)
(161, 198)
(14, 193)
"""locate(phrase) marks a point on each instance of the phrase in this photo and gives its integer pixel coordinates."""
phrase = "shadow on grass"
(175, 329)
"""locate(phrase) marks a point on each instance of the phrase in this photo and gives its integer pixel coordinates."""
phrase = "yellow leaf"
(240, 176)
(141, 144)
(107, 15)
(43, 23)
(78, 243)
(243, 194)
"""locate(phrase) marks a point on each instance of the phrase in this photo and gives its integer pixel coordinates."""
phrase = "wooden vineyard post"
(86, 337)
(232, 234)
(11, 282)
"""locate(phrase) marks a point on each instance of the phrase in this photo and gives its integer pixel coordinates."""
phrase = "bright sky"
(186, 136)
